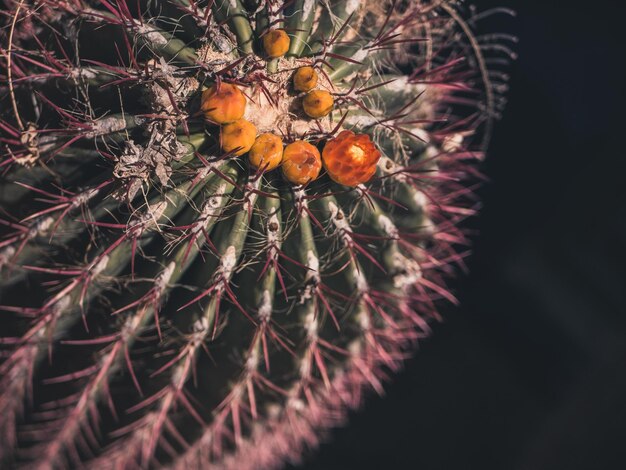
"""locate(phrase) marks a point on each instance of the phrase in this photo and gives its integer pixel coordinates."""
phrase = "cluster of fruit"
(349, 159)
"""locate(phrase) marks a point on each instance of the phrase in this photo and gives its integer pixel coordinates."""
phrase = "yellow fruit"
(276, 43)
(267, 152)
(305, 79)
(223, 104)
(318, 103)
(238, 137)
(302, 162)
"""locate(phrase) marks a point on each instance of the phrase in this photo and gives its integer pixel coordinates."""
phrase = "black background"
(530, 373)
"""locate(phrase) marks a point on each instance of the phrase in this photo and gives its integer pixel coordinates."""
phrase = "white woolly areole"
(388, 226)
(411, 272)
(6, 255)
(100, 266)
(209, 210)
(160, 285)
(178, 374)
(432, 152)
(386, 164)
(130, 326)
(311, 326)
(361, 120)
(57, 310)
(312, 277)
(255, 185)
(42, 226)
(313, 263)
(216, 200)
(296, 403)
(421, 133)
(301, 202)
(428, 227)
(307, 8)
(84, 197)
(201, 326)
(149, 34)
(402, 86)
(164, 278)
(420, 199)
(355, 348)
(106, 125)
(82, 73)
(361, 282)
(360, 55)
(364, 319)
(206, 170)
(200, 330)
(252, 363)
(452, 143)
(265, 309)
(272, 235)
(339, 219)
(229, 261)
(150, 218)
(351, 6)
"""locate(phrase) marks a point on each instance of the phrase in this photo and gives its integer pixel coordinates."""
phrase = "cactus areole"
(224, 221)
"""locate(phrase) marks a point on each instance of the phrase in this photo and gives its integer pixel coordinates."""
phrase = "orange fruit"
(238, 137)
(318, 103)
(266, 152)
(301, 162)
(223, 104)
(276, 43)
(305, 79)
(350, 159)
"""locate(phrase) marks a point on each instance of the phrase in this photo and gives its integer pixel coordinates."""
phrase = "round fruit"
(318, 103)
(305, 79)
(301, 162)
(276, 43)
(267, 152)
(223, 104)
(350, 158)
(238, 137)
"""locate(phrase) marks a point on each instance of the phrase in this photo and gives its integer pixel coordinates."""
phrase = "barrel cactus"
(222, 221)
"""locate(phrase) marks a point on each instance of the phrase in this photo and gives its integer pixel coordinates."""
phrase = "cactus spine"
(222, 220)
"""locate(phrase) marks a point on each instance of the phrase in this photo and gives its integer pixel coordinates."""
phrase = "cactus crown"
(168, 298)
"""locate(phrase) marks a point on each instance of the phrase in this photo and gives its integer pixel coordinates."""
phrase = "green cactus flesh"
(163, 302)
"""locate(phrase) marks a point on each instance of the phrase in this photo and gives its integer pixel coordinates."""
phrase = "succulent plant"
(224, 220)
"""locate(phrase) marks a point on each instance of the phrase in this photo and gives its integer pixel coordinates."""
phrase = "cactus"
(224, 220)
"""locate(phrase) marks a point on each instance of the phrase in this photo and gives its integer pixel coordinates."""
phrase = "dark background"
(529, 374)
